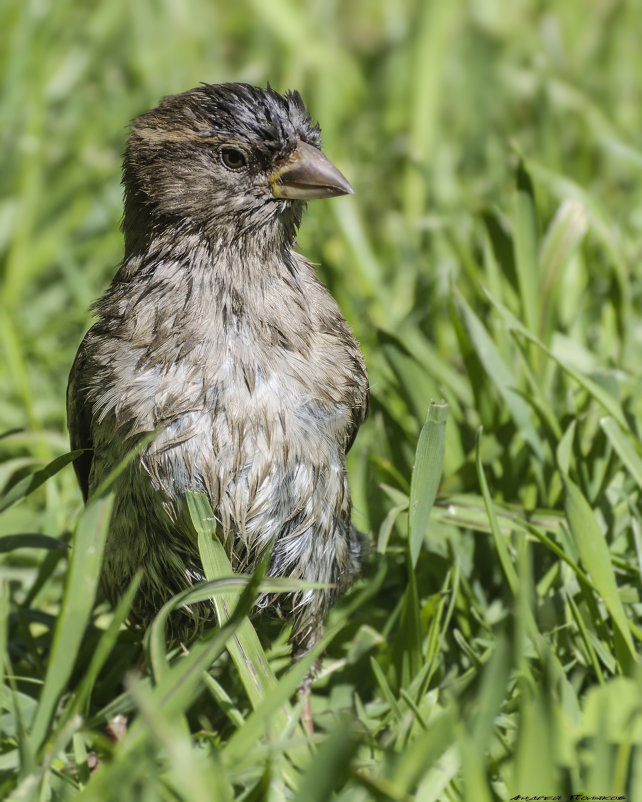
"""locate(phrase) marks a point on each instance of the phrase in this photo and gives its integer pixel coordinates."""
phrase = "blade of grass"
(262, 717)
(499, 374)
(414, 381)
(330, 763)
(596, 559)
(32, 482)
(31, 541)
(407, 652)
(179, 686)
(81, 698)
(245, 648)
(498, 537)
(426, 475)
(534, 758)
(386, 690)
(624, 445)
(422, 753)
(192, 773)
(604, 398)
(82, 582)
(563, 238)
(237, 584)
(155, 637)
(224, 701)
(525, 244)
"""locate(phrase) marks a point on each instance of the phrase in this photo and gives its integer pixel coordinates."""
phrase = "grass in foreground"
(488, 259)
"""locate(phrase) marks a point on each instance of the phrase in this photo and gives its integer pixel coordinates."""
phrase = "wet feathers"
(217, 334)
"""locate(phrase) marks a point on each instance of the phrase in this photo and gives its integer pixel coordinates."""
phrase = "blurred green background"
(490, 257)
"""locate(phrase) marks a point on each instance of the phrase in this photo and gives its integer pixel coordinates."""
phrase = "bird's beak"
(307, 174)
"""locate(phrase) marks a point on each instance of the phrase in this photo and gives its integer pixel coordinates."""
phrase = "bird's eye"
(233, 158)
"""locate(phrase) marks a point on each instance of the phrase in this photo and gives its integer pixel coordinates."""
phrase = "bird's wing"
(79, 419)
(359, 414)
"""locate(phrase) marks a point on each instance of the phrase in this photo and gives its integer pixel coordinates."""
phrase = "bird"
(217, 336)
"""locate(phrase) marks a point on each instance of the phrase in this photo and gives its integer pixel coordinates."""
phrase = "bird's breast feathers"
(265, 444)
(226, 405)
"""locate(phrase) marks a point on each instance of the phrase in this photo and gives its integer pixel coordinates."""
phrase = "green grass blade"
(4, 636)
(592, 656)
(563, 238)
(426, 475)
(385, 530)
(596, 559)
(601, 225)
(245, 648)
(80, 759)
(155, 638)
(82, 582)
(422, 753)
(274, 712)
(624, 445)
(534, 757)
(224, 700)
(80, 701)
(500, 375)
(179, 686)
(407, 652)
(564, 449)
(32, 482)
(601, 395)
(191, 773)
(414, 380)
(432, 29)
(498, 537)
(31, 541)
(525, 243)
(330, 763)
(385, 688)
(240, 585)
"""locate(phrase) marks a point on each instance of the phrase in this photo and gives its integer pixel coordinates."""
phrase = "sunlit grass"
(490, 258)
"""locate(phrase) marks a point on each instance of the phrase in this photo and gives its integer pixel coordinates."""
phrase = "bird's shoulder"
(79, 416)
(341, 365)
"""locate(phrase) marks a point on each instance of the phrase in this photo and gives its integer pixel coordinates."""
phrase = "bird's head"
(227, 159)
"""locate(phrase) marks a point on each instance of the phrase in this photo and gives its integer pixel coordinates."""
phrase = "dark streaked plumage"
(219, 335)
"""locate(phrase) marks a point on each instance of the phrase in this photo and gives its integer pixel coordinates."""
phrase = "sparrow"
(217, 335)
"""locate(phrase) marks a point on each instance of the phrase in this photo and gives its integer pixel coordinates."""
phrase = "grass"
(489, 263)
